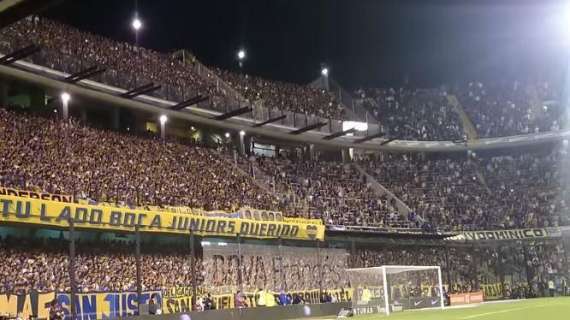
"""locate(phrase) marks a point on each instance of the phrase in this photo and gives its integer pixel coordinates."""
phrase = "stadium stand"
(477, 192)
(332, 191)
(284, 96)
(41, 265)
(67, 49)
(512, 108)
(68, 158)
(407, 114)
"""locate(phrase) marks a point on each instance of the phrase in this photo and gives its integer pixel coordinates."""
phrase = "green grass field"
(541, 309)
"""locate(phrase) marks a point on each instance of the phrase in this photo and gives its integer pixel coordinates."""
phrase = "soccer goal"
(388, 289)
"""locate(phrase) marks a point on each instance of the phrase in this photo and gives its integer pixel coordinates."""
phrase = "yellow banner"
(28, 305)
(35, 195)
(58, 214)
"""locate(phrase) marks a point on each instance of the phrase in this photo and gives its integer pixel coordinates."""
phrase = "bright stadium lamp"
(242, 133)
(163, 119)
(65, 97)
(227, 135)
(137, 24)
(325, 71)
(241, 54)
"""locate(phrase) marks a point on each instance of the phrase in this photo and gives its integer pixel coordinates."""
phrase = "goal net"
(389, 289)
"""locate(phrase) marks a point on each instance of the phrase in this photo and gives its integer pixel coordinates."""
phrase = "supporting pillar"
(71, 268)
(193, 269)
(37, 98)
(240, 282)
(345, 155)
(3, 93)
(117, 118)
(242, 149)
(320, 268)
(138, 266)
(83, 115)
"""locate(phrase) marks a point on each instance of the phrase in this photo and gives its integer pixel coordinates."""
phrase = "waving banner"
(15, 209)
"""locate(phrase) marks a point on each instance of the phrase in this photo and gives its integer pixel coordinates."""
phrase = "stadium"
(345, 159)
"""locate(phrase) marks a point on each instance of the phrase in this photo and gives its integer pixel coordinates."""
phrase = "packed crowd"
(67, 158)
(72, 50)
(507, 109)
(332, 191)
(407, 114)
(496, 110)
(461, 192)
(42, 265)
(284, 96)
(479, 192)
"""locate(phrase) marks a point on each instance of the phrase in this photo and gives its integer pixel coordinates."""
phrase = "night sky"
(370, 43)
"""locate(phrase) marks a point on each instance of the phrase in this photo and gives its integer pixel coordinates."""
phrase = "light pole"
(242, 142)
(325, 75)
(241, 55)
(163, 119)
(137, 25)
(65, 98)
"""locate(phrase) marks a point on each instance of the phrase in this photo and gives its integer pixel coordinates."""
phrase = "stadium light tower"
(241, 55)
(65, 98)
(163, 119)
(137, 25)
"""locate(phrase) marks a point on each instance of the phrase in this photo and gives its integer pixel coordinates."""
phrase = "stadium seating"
(68, 49)
(67, 158)
(412, 114)
(512, 108)
(446, 192)
(478, 192)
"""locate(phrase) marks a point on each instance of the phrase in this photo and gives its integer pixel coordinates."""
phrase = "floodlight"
(137, 24)
(241, 54)
(65, 97)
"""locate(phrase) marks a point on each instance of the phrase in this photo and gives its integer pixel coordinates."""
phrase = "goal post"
(390, 288)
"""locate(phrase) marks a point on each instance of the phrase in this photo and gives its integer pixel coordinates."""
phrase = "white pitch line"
(501, 311)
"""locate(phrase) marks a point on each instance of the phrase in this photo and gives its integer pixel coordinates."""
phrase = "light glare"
(241, 54)
(137, 24)
(65, 97)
